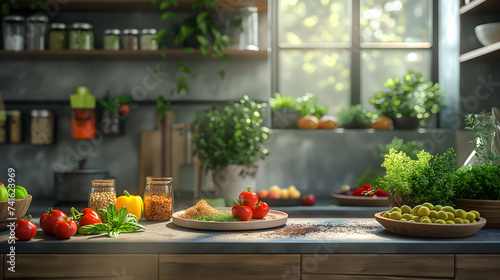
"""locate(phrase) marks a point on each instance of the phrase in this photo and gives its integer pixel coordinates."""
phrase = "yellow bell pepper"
(133, 204)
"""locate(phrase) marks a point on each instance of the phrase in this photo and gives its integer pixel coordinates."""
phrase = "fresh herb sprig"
(482, 130)
(114, 222)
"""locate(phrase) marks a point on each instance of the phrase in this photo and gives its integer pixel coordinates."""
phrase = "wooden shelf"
(59, 103)
(490, 52)
(144, 5)
(481, 6)
(122, 54)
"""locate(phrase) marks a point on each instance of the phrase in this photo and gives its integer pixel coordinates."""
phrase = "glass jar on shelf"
(58, 36)
(243, 29)
(13, 33)
(111, 40)
(102, 194)
(15, 126)
(148, 40)
(42, 127)
(130, 40)
(81, 36)
(158, 198)
(36, 31)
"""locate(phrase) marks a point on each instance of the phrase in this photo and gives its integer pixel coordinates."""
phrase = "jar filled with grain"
(130, 40)
(158, 198)
(58, 36)
(3, 126)
(111, 40)
(15, 126)
(42, 127)
(81, 36)
(102, 194)
(148, 40)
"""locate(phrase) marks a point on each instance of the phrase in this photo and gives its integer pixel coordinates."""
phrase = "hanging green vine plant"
(196, 33)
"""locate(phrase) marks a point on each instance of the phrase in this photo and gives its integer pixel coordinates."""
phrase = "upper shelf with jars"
(144, 5)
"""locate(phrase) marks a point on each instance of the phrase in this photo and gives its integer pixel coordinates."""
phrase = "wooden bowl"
(429, 230)
(364, 201)
(20, 208)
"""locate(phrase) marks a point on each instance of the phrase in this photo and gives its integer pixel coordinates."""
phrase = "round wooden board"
(429, 230)
(273, 219)
(282, 201)
(368, 201)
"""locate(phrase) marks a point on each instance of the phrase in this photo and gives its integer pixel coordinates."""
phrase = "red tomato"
(124, 109)
(380, 193)
(89, 217)
(25, 229)
(65, 228)
(241, 212)
(1, 184)
(308, 200)
(260, 210)
(248, 197)
(362, 190)
(47, 222)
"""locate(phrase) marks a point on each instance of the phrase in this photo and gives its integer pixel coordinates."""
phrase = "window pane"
(399, 21)
(315, 21)
(379, 65)
(325, 73)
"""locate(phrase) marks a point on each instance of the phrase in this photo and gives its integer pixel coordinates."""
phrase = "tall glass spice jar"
(36, 31)
(102, 194)
(13, 33)
(58, 36)
(111, 40)
(81, 36)
(130, 40)
(158, 198)
(249, 36)
(148, 40)
(42, 127)
(15, 126)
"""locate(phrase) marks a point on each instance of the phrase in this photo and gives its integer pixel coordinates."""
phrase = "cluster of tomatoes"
(56, 222)
(249, 207)
(367, 190)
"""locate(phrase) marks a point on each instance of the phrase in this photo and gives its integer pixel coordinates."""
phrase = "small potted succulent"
(229, 142)
(409, 101)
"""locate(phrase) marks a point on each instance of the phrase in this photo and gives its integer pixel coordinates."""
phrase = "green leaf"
(121, 216)
(113, 233)
(160, 35)
(164, 5)
(94, 229)
(130, 227)
(182, 86)
(202, 39)
(168, 15)
(222, 74)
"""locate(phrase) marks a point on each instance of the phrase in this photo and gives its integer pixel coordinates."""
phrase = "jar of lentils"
(58, 36)
(158, 198)
(102, 194)
(130, 40)
(148, 40)
(111, 40)
(81, 36)
(42, 127)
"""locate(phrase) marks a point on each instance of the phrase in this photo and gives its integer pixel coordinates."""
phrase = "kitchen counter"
(300, 236)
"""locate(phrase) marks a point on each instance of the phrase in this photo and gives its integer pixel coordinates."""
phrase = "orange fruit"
(382, 123)
(308, 122)
(328, 122)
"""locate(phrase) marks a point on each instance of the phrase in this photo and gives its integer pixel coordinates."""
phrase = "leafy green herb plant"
(113, 222)
(480, 181)
(112, 104)
(355, 117)
(410, 148)
(231, 134)
(305, 105)
(482, 128)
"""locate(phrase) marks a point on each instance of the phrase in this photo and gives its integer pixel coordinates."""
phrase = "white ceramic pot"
(229, 182)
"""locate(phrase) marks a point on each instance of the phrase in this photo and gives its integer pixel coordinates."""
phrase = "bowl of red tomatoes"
(363, 195)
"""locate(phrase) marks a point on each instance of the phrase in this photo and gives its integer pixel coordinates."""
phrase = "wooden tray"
(282, 201)
(368, 201)
(273, 219)
(429, 230)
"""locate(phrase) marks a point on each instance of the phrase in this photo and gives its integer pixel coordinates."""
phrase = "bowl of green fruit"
(13, 204)
(427, 220)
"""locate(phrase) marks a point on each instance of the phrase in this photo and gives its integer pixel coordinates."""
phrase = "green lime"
(433, 214)
(415, 209)
(406, 209)
(475, 212)
(449, 209)
(439, 221)
(441, 215)
(451, 216)
(426, 220)
(450, 222)
(458, 221)
(424, 217)
(395, 215)
(404, 220)
(460, 213)
(387, 214)
(433, 220)
(424, 211)
(416, 219)
(466, 221)
(20, 192)
(407, 216)
(395, 209)
(471, 217)
(411, 221)
(438, 208)
(428, 205)
(4, 194)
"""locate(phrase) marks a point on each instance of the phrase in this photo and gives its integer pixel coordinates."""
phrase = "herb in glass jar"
(58, 36)
(148, 40)
(129, 39)
(111, 39)
(81, 36)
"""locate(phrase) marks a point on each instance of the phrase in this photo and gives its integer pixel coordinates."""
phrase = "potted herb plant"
(229, 142)
(409, 101)
(355, 117)
(114, 110)
(286, 111)
(411, 182)
(477, 185)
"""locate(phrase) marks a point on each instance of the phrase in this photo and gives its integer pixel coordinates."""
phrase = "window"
(344, 50)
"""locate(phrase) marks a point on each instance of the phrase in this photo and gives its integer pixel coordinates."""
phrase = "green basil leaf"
(130, 227)
(131, 218)
(113, 233)
(94, 229)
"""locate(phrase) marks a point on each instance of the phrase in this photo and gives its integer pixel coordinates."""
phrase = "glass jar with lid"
(58, 36)
(148, 40)
(42, 127)
(102, 194)
(81, 36)
(130, 40)
(158, 198)
(15, 126)
(244, 31)
(13, 33)
(36, 31)
(111, 40)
